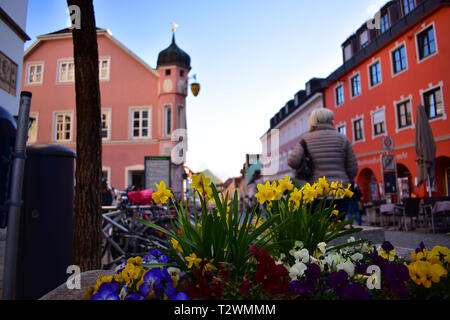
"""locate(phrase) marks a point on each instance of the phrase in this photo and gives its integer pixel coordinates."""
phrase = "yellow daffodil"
(265, 193)
(176, 245)
(285, 184)
(162, 194)
(335, 212)
(200, 182)
(309, 193)
(192, 260)
(323, 184)
(295, 197)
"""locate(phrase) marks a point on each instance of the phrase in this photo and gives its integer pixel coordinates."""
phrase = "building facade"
(13, 16)
(141, 107)
(286, 129)
(391, 65)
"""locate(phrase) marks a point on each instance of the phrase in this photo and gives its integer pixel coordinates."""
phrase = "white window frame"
(60, 62)
(166, 132)
(339, 84)
(340, 125)
(181, 124)
(100, 60)
(366, 43)
(108, 174)
(34, 64)
(355, 74)
(372, 114)
(424, 27)
(353, 120)
(107, 111)
(396, 103)
(35, 115)
(131, 122)
(55, 127)
(374, 62)
(440, 85)
(395, 48)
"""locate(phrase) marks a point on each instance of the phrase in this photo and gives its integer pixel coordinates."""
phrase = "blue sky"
(250, 57)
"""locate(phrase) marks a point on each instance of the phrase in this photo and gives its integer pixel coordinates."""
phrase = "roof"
(173, 55)
(252, 170)
(66, 33)
(214, 179)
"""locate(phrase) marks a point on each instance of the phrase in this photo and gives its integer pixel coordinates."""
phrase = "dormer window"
(408, 6)
(364, 39)
(347, 52)
(384, 23)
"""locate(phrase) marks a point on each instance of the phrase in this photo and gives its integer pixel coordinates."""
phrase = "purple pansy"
(387, 246)
(396, 275)
(338, 281)
(356, 292)
(180, 296)
(107, 291)
(134, 296)
(308, 283)
(420, 248)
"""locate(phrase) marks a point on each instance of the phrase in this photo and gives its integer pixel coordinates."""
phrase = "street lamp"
(195, 86)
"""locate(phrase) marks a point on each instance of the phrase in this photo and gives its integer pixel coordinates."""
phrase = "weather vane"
(174, 27)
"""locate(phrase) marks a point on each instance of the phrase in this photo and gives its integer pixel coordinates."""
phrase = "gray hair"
(320, 116)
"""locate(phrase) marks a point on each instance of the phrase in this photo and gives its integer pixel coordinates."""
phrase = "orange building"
(391, 65)
(141, 106)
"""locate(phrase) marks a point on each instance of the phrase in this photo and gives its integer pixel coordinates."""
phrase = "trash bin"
(7, 139)
(46, 227)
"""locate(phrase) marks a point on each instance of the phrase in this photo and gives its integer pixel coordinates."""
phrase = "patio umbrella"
(425, 149)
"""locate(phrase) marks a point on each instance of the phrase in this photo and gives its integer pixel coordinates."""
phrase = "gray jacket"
(331, 153)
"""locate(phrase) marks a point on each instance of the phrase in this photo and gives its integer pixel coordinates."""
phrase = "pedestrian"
(353, 204)
(331, 152)
(107, 194)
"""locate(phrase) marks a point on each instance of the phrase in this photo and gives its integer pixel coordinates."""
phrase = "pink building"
(141, 106)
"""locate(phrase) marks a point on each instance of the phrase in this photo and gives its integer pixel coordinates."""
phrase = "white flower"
(174, 272)
(356, 257)
(298, 245)
(281, 259)
(351, 239)
(321, 246)
(297, 270)
(347, 267)
(302, 255)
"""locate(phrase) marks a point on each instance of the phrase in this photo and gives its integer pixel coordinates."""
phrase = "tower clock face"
(167, 85)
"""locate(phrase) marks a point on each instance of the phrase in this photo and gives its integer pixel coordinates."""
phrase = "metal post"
(15, 202)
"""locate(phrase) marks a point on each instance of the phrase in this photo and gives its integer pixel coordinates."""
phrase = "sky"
(250, 57)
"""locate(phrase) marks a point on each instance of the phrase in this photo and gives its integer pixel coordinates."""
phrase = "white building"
(286, 127)
(13, 15)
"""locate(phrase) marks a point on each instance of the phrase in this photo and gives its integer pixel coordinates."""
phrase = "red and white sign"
(388, 144)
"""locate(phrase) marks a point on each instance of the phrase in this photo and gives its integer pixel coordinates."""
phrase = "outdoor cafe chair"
(441, 209)
(409, 209)
(427, 209)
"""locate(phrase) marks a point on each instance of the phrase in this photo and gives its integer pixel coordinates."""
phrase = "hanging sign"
(388, 143)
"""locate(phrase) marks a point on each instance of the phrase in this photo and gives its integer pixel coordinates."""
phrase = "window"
(339, 95)
(356, 85)
(384, 23)
(182, 73)
(426, 43)
(35, 73)
(66, 71)
(181, 117)
(408, 6)
(167, 72)
(342, 129)
(358, 130)
(167, 120)
(140, 123)
(63, 126)
(399, 62)
(364, 38)
(106, 124)
(404, 114)
(433, 103)
(32, 131)
(378, 120)
(375, 74)
(103, 68)
(347, 52)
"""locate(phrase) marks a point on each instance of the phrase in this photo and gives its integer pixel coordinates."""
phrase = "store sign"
(388, 143)
(157, 169)
(388, 163)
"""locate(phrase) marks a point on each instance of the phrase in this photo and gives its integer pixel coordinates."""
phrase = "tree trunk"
(87, 224)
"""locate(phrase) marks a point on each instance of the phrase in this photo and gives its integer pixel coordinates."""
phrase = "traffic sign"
(388, 143)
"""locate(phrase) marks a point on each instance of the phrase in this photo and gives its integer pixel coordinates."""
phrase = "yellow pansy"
(162, 194)
(388, 255)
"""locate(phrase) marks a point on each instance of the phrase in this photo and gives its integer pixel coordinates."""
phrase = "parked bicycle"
(124, 236)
